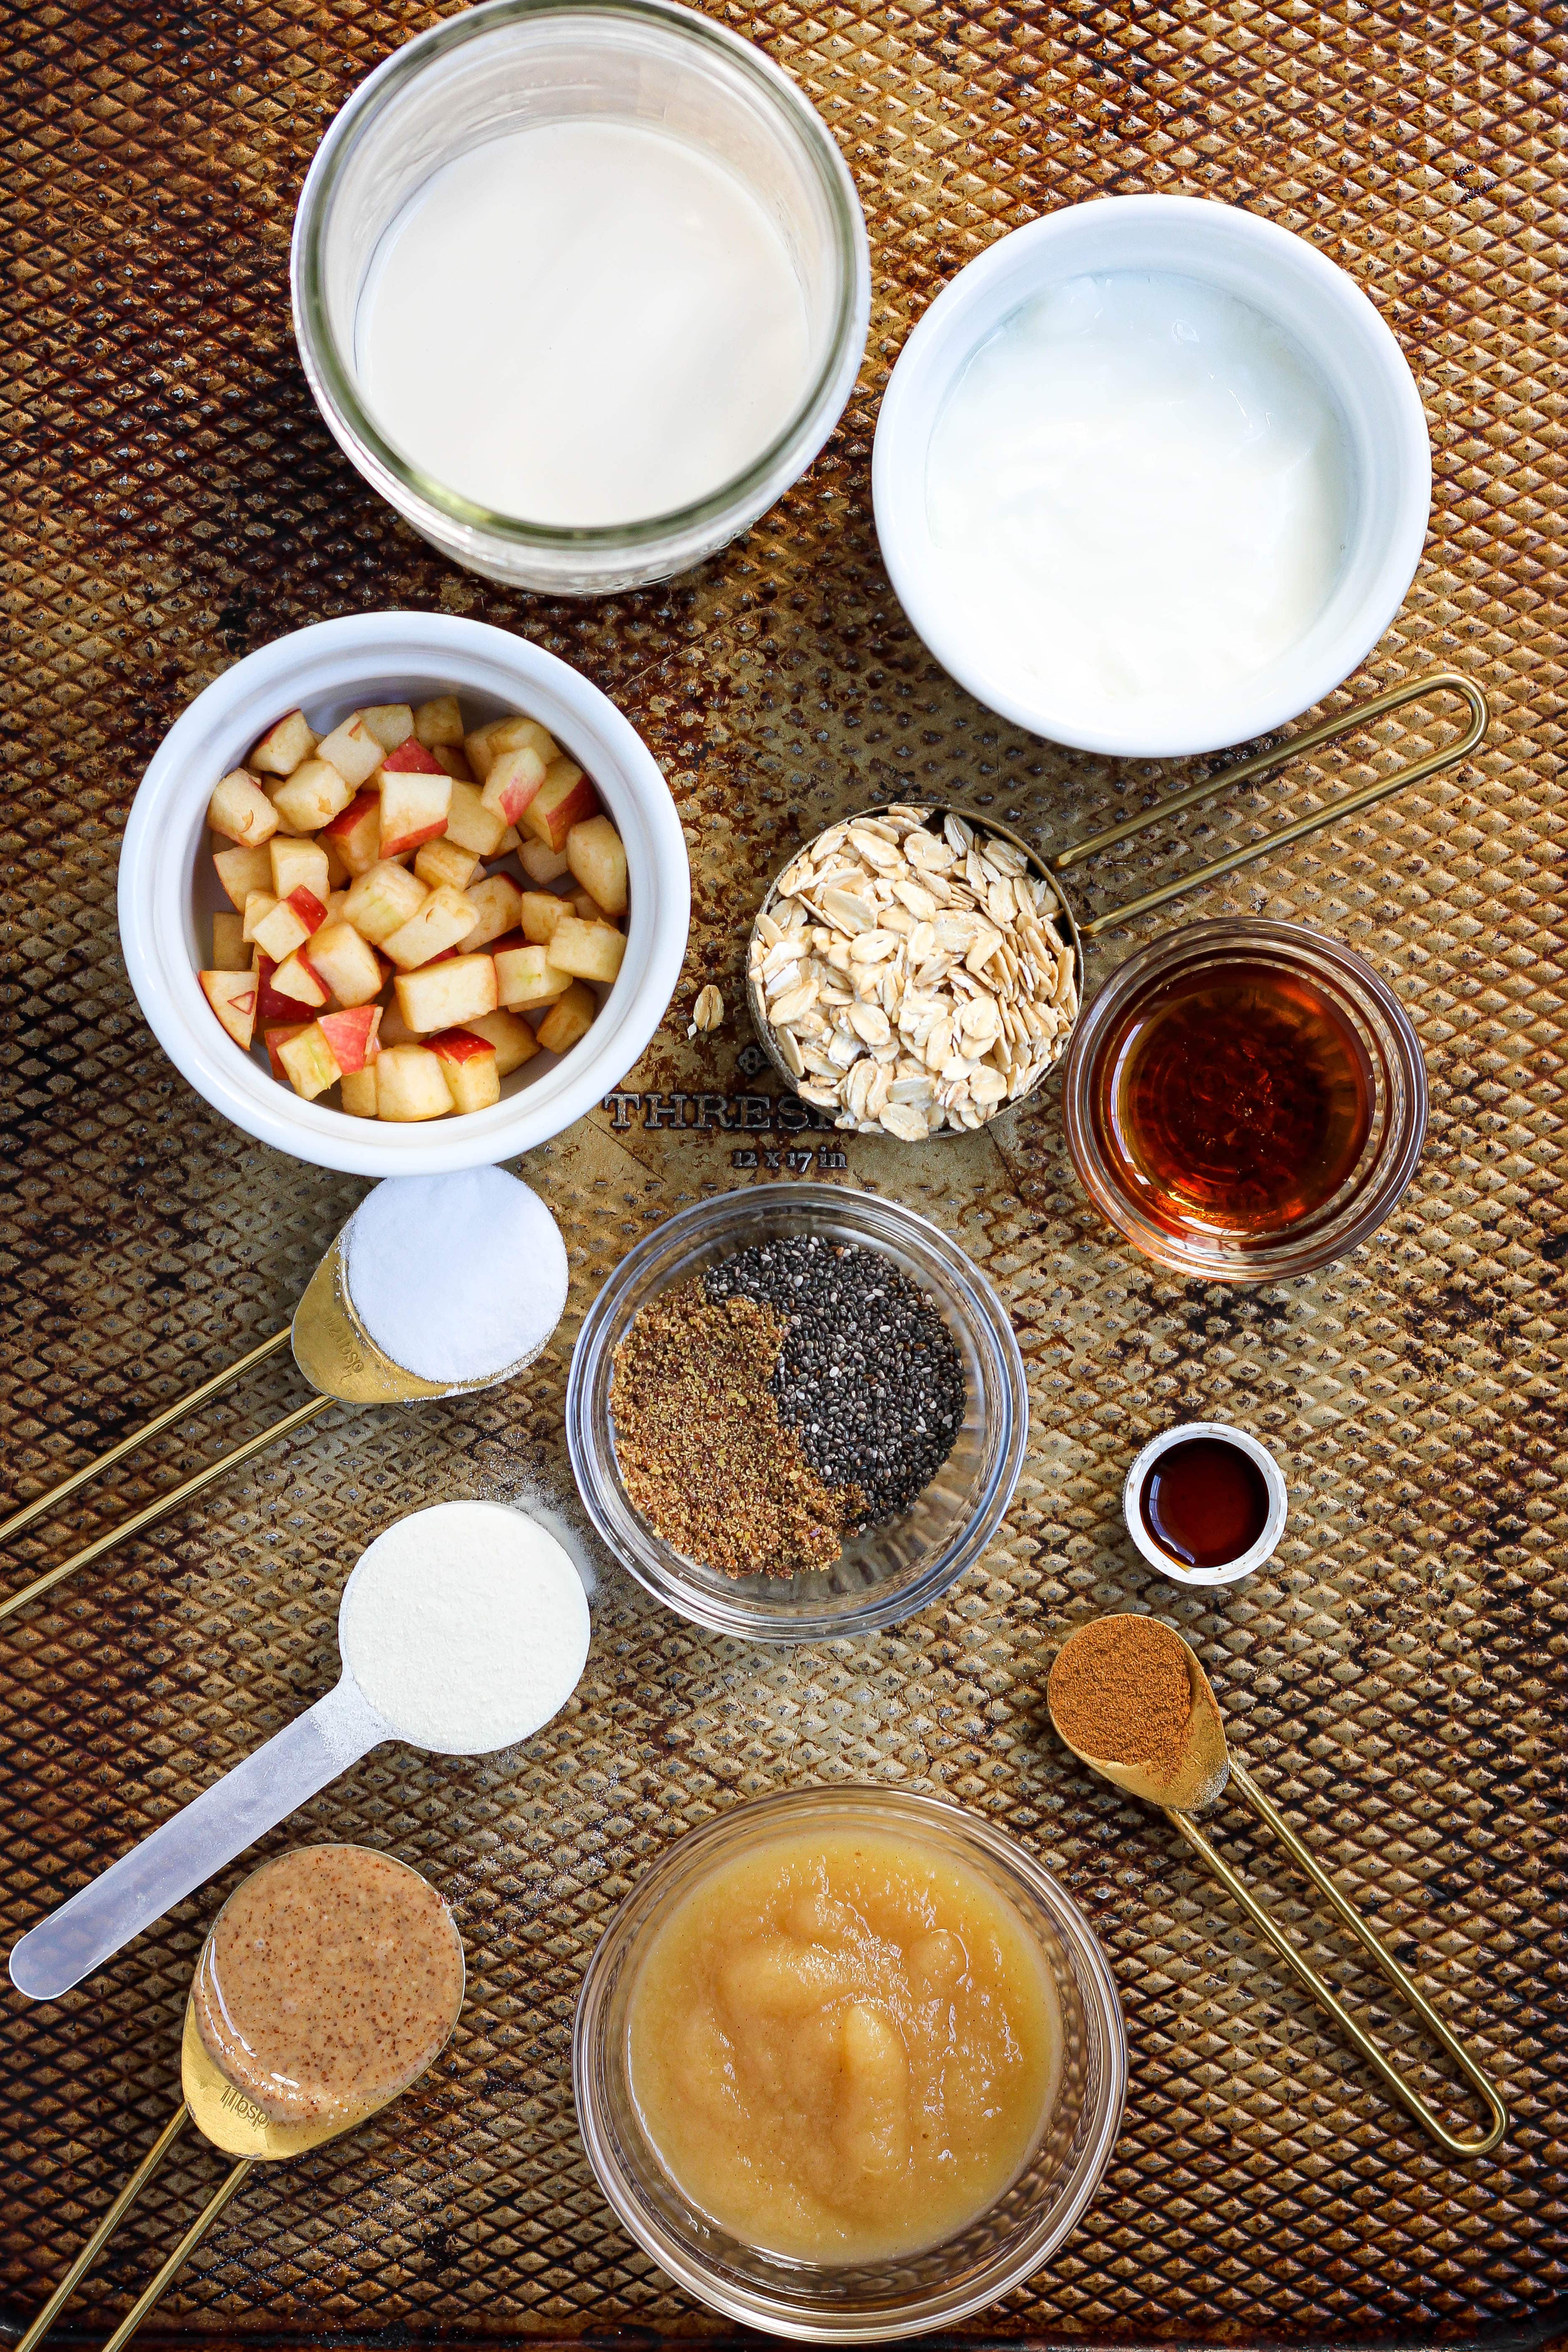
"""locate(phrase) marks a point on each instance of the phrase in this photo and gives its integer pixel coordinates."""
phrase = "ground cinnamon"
(1118, 1691)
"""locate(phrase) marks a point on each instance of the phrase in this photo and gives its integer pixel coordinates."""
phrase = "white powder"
(455, 1277)
(466, 1626)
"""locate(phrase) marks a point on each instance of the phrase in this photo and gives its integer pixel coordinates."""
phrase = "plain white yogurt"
(1139, 493)
(583, 323)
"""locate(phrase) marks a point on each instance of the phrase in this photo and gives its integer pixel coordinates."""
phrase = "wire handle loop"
(1349, 723)
(1408, 2096)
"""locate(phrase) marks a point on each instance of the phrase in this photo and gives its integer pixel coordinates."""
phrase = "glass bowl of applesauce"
(892, 1569)
(580, 286)
(848, 2065)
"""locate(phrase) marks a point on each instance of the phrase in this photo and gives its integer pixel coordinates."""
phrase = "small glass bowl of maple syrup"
(1245, 1100)
(1205, 1503)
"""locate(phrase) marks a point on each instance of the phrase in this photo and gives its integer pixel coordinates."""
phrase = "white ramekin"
(1327, 316)
(1233, 1570)
(165, 886)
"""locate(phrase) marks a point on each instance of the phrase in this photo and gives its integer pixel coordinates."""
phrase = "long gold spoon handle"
(106, 2228)
(219, 1382)
(164, 1503)
(178, 2259)
(1321, 1992)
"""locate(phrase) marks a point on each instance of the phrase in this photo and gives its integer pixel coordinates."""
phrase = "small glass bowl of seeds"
(914, 971)
(797, 1412)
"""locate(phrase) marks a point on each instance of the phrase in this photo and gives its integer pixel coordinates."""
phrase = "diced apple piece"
(513, 1040)
(358, 1096)
(410, 1083)
(391, 723)
(356, 833)
(440, 720)
(587, 910)
(276, 1039)
(513, 780)
(486, 744)
(441, 994)
(338, 874)
(541, 863)
(472, 825)
(508, 842)
(241, 871)
(352, 750)
(444, 919)
(231, 952)
(232, 995)
(336, 901)
(598, 857)
(412, 809)
(442, 861)
(410, 758)
(346, 963)
(286, 742)
(353, 1035)
(587, 950)
(311, 796)
(382, 901)
(280, 932)
(526, 976)
(297, 979)
(539, 911)
(451, 763)
(241, 811)
(565, 798)
(568, 1022)
(494, 902)
(395, 1030)
(309, 1062)
(258, 905)
(473, 1075)
(269, 1005)
(297, 863)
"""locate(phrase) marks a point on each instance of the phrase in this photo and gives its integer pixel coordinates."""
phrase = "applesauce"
(843, 2047)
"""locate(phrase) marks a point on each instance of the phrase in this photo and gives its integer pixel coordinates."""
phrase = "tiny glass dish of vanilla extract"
(1245, 1100)
(1205, 1503)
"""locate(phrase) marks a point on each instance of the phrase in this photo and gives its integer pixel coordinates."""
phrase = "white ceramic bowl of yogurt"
(168, 890)
(1151, 476)
(580, 286)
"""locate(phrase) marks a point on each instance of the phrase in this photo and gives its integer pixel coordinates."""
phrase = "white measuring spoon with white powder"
(463, 1629)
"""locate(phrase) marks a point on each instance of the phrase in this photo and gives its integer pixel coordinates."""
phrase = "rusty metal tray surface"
(1396, 1673)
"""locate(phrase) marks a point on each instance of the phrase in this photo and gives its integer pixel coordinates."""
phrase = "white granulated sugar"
(466, 1626)
(455, 1277)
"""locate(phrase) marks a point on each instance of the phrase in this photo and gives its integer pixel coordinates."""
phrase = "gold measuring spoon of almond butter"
(337, 1356)
(355, 1901)
(1191, 1771)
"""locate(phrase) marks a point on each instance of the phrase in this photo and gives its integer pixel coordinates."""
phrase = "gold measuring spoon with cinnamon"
(1130, 1700)
(328, 1982)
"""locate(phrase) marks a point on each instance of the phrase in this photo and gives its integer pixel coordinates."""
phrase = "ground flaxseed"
(701, 1451)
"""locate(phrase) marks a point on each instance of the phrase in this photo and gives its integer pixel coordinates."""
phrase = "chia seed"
(870, 1379)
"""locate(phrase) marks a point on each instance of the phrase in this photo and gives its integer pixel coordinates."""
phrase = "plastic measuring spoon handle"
(187, 1850)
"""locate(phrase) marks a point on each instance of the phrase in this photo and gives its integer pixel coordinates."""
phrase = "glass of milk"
(581, 287)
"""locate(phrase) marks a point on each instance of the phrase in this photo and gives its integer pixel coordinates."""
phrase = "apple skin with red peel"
(411, 758)
(273, 1038)
(351, 1035)
(309, 907)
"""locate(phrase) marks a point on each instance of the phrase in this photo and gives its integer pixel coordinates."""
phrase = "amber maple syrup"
(1236, 1099)
(1204, 1502)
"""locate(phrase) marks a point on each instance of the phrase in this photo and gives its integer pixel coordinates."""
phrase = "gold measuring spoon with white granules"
(437, 1286)
(1130, 1700)
(331, 1979)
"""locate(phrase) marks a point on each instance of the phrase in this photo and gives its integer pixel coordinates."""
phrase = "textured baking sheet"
(1396, 1674)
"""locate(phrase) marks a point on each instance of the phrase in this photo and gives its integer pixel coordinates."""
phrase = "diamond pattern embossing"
(1396, 1675)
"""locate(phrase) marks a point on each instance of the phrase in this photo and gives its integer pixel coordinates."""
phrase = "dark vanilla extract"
(1236, 1101)
(1204, 1502)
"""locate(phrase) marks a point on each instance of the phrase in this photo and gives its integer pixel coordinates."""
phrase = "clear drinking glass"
(509, 65)
(1397, 1087)
(858, 2303)
(889, 1572)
